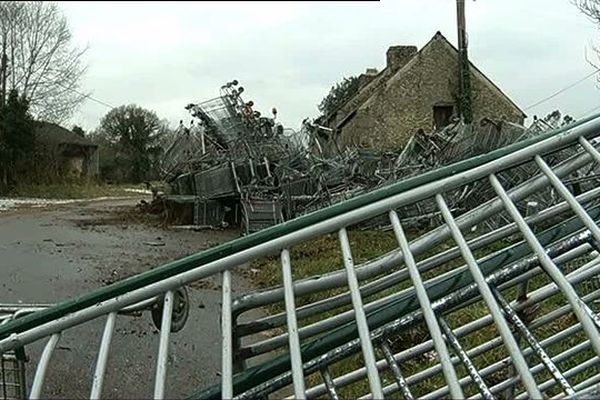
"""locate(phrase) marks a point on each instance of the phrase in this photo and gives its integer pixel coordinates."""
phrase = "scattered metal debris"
(238, 167)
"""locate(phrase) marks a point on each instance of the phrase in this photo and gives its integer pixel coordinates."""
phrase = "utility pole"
(464, 78)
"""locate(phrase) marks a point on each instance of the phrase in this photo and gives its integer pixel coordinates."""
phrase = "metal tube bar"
(531, 210)
(329, 323)
(540, 367)
(329, 384)
(400, 381)
(581, 367)
(565, 194)
(580, 310)
(2, 362)
(589, 148)
(40, 372)
(428, 314)
(521, 296)
(463, 356)
(139, 306)
(583, 388)
(536, 296)
(226, 338)
(163, 347)
(503, 328)
(294, 340)
(504, 275)
(535, 345)
(361, 319)
(539, 295)
(98, 379)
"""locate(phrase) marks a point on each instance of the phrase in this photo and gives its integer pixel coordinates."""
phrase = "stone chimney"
(398, 56)
(367, 77)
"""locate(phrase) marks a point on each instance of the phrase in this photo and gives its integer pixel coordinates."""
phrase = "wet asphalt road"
(52, 255)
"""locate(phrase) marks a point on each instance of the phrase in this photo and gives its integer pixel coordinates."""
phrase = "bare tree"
(42, 64)
(591, 9)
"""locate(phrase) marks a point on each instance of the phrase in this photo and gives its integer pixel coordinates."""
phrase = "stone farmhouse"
(416, 90)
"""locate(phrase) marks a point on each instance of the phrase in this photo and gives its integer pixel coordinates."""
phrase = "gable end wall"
(405, 103)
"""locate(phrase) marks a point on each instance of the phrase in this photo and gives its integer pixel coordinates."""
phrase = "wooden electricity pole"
(464, 78)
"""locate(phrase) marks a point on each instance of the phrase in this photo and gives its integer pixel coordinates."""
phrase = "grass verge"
(74, 190)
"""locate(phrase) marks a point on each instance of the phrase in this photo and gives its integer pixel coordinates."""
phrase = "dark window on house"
(442, 116)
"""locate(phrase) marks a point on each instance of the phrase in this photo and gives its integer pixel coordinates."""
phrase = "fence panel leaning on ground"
(467, 308)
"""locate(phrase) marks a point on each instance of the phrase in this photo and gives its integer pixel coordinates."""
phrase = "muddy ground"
(48, 255)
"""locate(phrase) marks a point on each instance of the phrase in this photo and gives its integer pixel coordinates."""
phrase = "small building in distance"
(66, 152)
(417, 90)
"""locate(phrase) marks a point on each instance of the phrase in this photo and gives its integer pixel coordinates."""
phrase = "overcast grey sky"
(164, 55)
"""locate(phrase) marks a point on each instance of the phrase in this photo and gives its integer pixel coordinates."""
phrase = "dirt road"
(52, 255)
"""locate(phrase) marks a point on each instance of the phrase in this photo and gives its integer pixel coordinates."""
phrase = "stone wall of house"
(404, 104)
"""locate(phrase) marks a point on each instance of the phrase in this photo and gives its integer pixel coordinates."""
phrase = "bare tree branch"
(591, 9)
(43, 64)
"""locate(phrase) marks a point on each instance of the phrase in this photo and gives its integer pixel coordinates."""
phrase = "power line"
(562, 90)
(87, 96)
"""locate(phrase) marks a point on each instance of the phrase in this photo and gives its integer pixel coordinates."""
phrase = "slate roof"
(347, 111)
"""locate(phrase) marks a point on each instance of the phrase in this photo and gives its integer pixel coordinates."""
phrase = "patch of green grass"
(323, 255)
(73, 190)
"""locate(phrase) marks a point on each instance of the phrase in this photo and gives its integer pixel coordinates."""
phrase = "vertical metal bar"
(429, 315)
(22, 379)
(535, 345)
(503, 328)
(329, 385)
(2, 370)
(226, 338)
(361, 318)
(581, 310)
(40, 372)
(389, 356)
(464, 358)
(294, 339)
(565, 194)
(532, 209)
(163, 347)
(589, 148)
(103, 356)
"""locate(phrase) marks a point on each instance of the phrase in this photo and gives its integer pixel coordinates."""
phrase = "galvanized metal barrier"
(508, 312)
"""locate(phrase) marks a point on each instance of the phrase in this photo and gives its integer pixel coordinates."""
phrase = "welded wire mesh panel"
(495, 297)
(224, 117)
(12, 377)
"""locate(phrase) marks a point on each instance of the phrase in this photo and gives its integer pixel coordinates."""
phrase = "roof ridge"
(378, 81)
